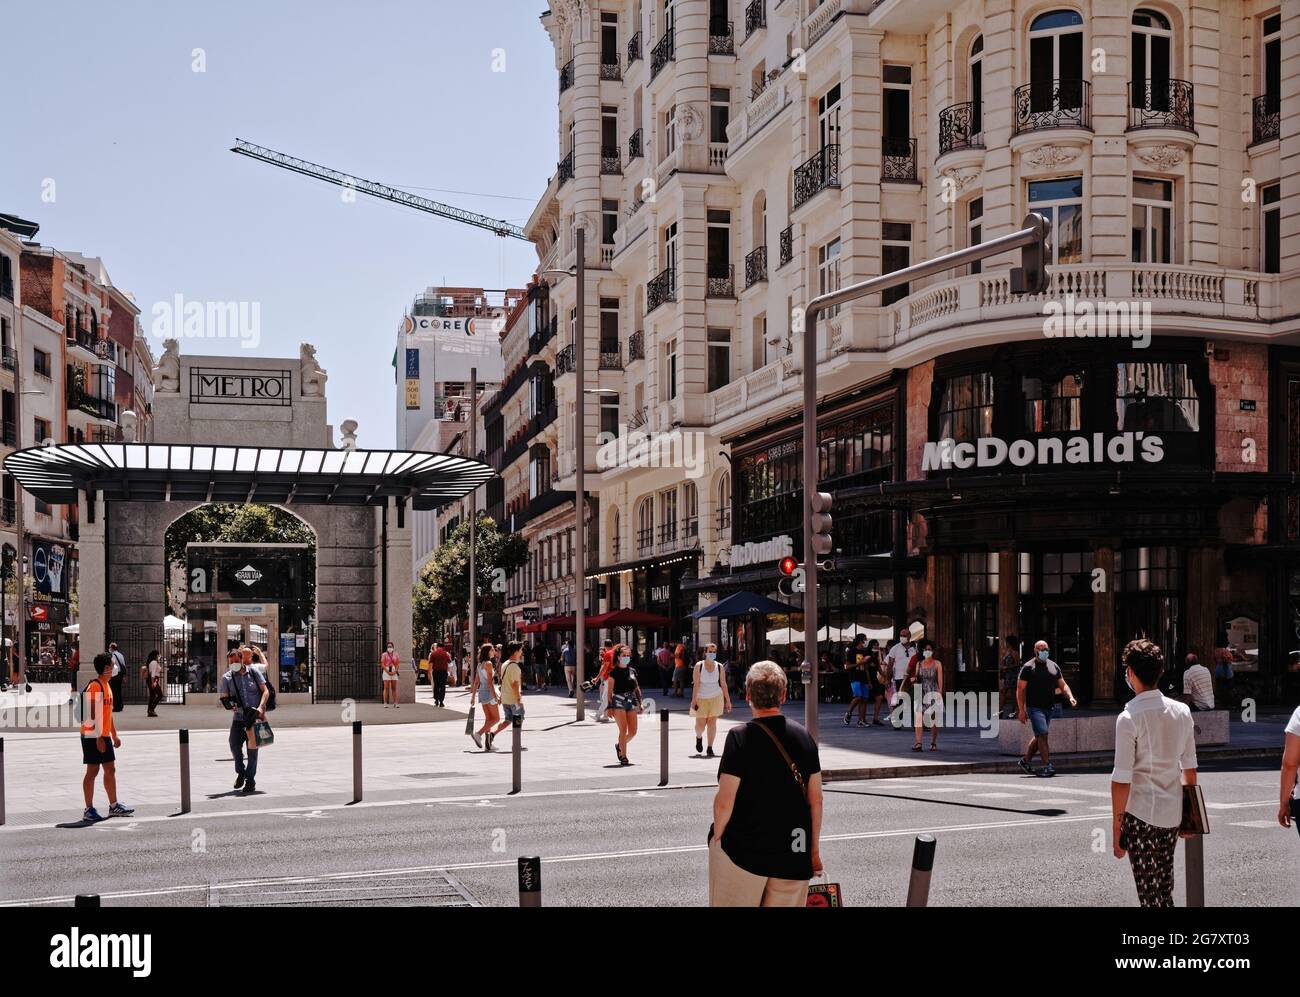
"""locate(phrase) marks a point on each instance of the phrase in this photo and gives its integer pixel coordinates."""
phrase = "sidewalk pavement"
(410, 755)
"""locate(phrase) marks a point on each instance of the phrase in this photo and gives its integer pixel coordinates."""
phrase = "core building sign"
(240, 386)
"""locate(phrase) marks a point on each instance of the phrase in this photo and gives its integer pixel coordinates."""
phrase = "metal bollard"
(516, 755)
(356, 761)
(1194, 853)
(86, 900)
(918, 886)
(185, 770)
(663, 747)
(530, 881)
(2, 780)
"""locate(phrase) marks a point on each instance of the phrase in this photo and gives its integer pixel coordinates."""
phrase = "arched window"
(724, 503)
(615, 535)
(690, 510)
(1151, 61)
(645, 526)
(1056, 64)
(977, 89)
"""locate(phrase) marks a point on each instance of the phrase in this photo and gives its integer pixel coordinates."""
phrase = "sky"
(106, 102)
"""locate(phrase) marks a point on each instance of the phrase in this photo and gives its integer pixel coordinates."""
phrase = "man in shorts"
(1040, 680)
(99, 740)
(512, 676)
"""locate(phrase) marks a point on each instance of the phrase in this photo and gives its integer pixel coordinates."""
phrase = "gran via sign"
(240, 386)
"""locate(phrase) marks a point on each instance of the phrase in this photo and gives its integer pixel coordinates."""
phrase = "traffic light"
(1031, 276)
(821, 522)
(788, 566)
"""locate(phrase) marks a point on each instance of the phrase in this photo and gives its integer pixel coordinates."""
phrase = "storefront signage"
(660, 593)
(248, 575)
(248, 610)
(412, 378)
(531, 614)
(230, 386)
(1123, 448)
(1248, 405)
(47, 568)
(762, 551)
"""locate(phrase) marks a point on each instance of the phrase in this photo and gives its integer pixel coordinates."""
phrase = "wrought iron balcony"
(634, 146)
(787, 245)
(663, 53)
(8, 511)
(820, 171)
(9, 434)
(690, 527)
(566, 76)
(1053, 104)
(660, 288)
(960, 127)
(610, 162)
(898, 160)
(1266, 118)
(564, 170)
(636, 346)
(566, 361)
(645, 540)
(611, 70)
(611, 355)
(756, 266)
(755, 17)
(9, 357)
(722, 38)
(1161, 104)
(634, 48)
(721, 282)
(104, 434)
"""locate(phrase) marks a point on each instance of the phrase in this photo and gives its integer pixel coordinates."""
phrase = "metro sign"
(248, 575)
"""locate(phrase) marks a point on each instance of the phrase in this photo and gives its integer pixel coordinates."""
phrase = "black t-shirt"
(624, 679)
(770, 806)
(1042, 677)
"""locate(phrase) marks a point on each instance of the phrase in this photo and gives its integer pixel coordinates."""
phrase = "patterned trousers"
(1151, 854)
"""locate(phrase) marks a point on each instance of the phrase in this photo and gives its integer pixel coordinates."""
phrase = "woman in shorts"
(709, 698)
(484, 687)
(388, 663)
(624, 699)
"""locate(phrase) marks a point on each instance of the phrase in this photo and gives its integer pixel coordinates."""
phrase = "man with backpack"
(240, 688)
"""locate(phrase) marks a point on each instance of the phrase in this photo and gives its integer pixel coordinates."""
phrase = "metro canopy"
(143, 472)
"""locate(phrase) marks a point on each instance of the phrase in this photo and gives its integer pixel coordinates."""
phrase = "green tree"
(442, 591)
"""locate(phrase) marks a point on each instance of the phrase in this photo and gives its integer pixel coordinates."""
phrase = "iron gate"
(345, 661)
(136, 641)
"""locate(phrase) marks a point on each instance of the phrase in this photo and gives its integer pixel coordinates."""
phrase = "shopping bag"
(823, 893)
(260, 735)
(469, 720)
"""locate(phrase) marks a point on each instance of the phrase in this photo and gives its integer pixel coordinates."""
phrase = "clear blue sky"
(402, 91)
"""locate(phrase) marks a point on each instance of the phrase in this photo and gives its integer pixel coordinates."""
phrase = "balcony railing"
(104, 434)
(566, 76)
(99, 408)
(83, 338)
(610, 70)
(724, 519)
(1053, 104)
(662, 54)
(610, 163)
(566, 361)
(821, 170)
(662, 287)
(564, 170)
(960, 128)
(755, 17)
(898, 160)
(756, 266)
(721, 282)
(634, 150)
(611, 355)
(9, 434)
(8, 511)
(787, 245)
(1161, 104)
(1266, 118)
(645, 540)
(634, 48)
(636, 346)
(9, 357)
(668, 535)
(722, 37)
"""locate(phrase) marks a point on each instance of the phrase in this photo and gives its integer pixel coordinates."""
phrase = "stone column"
(92, 586)
(1104, 652)
(397, 622)
(941, 628)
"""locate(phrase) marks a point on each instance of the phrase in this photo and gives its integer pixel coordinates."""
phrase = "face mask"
(711, 655)
(928, 654)
(1042, 655)
(625, 660)
(1128, 682)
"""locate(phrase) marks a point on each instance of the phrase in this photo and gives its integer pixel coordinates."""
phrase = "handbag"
(469, 720)
(260, 735)
(1196, 818)
(823, 893)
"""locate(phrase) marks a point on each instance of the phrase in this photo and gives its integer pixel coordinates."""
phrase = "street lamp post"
(1030, 277)
(473, 523)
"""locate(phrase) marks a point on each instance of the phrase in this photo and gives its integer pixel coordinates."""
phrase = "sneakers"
(250, 786)
(863, 723)
(91, 814)
(239, 782)
(1025, 766)
(699, 745)
(478, 741)
(848, 717)
(1048, 771)
(120, 809)
(709, 753)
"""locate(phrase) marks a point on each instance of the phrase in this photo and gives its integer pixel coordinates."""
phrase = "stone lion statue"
(313, 377)
(167, 372)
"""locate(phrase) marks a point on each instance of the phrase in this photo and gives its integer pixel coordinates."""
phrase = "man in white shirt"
(1289, 811)
(898, 657)
(1198, 685)
(1155, 756)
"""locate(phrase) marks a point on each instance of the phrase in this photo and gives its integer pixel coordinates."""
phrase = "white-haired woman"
(709, 698)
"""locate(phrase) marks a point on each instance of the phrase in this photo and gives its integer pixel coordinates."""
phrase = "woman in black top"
(624, 699)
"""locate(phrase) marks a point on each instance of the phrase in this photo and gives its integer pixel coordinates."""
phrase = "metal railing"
(898, 160)
(1053, 104)
(634, 48)
(721, 282)
(566, 76)
(610, 161)
(610, 70)
(611, 355)
(8, 511)
(564, 170)
(660, 288)
(722, 38)
(104, 434)
(787, 245)
(1265, 118)
(9, 434)
(818, 172)
(645, 540)
(636, 346)
(756, 266)
(566, 361)
(755, 17)
(9, 358)
(663, 53)
(1161, 104)
(690, 527)
(634, 146)
(960, 128)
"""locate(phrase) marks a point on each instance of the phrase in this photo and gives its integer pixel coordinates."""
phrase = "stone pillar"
(1008, 595)
(92, 586)
(1204, 569)
(941, 628)
(1104, 652)
(397, 622)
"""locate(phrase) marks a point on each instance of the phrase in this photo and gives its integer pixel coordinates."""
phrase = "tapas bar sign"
(232, 386)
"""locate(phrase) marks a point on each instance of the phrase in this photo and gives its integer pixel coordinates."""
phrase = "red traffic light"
(789, 566)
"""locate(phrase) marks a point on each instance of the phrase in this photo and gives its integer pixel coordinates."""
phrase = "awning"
(626, 618)
(147, 472)
(658, 560)
(746, 604)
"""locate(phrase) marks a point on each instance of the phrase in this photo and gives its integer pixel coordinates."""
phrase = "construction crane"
(494, 225)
